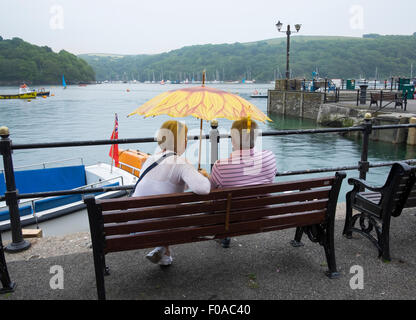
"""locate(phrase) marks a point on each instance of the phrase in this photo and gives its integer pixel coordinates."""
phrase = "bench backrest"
(145, 222)
(386, 96)
(397, 189)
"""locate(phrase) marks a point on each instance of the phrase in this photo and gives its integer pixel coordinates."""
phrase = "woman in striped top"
(245, 166)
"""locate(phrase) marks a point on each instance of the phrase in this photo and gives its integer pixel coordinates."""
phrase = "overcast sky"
(154, 26)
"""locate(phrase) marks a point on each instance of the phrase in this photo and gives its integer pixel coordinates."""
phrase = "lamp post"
(288, 32)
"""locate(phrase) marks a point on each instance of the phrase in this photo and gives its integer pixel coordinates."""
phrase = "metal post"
(358, 97)
(288, 52)
(214, 138)
(364, 164)
(8, 285)
(381, 99)
(363, 94)
(18, 243)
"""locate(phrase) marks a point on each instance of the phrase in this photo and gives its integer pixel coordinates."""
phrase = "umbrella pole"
(200, 146)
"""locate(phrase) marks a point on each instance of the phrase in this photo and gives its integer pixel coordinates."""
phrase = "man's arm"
(215, 178)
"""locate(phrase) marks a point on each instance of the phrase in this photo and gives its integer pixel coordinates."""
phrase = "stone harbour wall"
(310, 105)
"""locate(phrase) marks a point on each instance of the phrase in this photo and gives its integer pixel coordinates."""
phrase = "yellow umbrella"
(203, 103)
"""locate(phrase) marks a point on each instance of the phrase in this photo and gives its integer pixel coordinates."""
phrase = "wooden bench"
(7, 284)
(148, 222)
(378, 205)
(390, 97)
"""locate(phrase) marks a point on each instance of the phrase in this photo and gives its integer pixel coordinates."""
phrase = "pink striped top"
(244, 168)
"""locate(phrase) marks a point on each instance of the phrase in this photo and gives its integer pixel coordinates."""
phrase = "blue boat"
(57, 179)
(63, 82)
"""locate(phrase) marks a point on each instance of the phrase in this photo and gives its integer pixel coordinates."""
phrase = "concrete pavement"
(260, 266)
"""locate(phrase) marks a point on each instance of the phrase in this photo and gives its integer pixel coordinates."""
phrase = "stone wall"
(290, 85)
(309, 105)
(295, 103)
(392, 135)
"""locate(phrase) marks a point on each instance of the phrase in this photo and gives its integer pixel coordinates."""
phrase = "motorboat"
(257, 94)
(73, 177)
(24, 93)
(43, 93)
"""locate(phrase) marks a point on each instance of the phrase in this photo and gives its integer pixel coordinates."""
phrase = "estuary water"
(87, 113)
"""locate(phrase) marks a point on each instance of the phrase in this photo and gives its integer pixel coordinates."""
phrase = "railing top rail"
(223, 136)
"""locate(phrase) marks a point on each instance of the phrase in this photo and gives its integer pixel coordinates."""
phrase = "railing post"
(381, 99)
(367, 129)
(358, 97)
(214, 138)
(18, 243)
(8, 285)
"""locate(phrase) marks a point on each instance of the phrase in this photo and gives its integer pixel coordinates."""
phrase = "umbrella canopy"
(201, 102)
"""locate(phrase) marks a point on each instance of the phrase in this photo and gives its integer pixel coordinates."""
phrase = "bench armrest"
(357, 183)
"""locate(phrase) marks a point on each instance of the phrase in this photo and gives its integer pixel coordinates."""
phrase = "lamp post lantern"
(288, 32)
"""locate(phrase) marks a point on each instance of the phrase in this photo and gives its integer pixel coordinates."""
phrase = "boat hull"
(53, 207)
(30, 95)
(44, 93)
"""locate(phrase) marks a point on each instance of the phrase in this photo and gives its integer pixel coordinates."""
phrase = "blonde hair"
(171, 134)
(240, 133)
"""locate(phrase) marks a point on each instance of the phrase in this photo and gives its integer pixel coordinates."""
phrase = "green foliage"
(23, 62)
(334, 57)
(371, 36)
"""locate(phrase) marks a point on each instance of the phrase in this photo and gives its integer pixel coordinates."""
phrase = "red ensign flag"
(114, 147)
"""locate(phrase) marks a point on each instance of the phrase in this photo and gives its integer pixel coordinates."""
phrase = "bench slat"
(168, 199)
(212, 218)
(411, 202)
(185, 235)
(210, 206)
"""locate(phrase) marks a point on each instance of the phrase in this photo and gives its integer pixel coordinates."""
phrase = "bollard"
(214, 138)
(364, 164)
(363, 94)
(8, 285)
(411, 137)
(18, 243)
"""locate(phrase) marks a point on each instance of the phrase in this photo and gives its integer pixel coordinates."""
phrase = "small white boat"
(258, 94)
(79, 177)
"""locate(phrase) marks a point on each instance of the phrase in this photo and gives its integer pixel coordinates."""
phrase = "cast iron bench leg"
(384, 241)
(298, 237)
(7, 285)
(329, 247)
(348, 217)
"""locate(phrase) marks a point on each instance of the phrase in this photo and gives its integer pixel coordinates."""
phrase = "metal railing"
(12, 196)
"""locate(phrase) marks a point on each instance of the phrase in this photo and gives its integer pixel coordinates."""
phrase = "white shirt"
(173, 175)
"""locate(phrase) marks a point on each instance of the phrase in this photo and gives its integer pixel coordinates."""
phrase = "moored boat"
(257, 94)
(42, 92)
(24, 93)
(77, 177)
(30, 95)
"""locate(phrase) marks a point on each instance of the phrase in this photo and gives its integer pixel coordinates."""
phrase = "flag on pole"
(114, 148)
